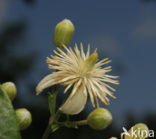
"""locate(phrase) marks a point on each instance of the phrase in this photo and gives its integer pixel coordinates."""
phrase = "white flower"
(82, 72)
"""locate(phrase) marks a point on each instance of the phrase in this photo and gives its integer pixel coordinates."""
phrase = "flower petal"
(46, 82)
(75, 104)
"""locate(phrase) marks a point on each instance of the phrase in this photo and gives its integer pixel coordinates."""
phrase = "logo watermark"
(139, 133)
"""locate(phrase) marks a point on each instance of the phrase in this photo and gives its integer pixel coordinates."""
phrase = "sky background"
(124, 31)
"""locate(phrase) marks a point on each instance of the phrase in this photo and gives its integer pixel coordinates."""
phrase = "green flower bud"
(99, 119)
(24, 118)
(10, 89)
(138, 131)
(63, 33)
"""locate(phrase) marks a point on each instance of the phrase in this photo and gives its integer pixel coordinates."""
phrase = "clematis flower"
(83, 73)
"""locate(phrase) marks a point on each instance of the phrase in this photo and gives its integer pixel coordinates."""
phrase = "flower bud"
(140, 130)
(24, 118)
(63, 33)
(99, 119)
(10, 89)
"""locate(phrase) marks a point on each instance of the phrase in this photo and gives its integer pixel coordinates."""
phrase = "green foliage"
(8, 125)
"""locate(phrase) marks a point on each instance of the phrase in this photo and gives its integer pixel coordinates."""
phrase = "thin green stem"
(82, 122)
(54, 102)
(47, 132)
(52, 119)
(54, 116)
(73, 123)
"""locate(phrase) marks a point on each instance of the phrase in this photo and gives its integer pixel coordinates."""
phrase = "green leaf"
(50, 101)
(9, 128)
(55, 127)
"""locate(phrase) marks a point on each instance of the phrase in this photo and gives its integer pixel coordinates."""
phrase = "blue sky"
(124, 31)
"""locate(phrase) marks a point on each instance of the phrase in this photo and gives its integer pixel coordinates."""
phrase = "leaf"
(50, 101)
(55, 127)
(9, 128)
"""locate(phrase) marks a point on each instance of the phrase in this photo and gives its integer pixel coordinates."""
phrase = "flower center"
(87, 66)
(91, 60)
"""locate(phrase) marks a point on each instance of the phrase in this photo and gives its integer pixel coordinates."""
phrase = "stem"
(82, 122)
(52, 118)
(47, 132)
(72, 124)
(51, 121)
(54, 102)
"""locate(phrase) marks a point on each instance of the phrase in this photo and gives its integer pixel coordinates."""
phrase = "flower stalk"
(48, 130)
(54, 116)
(73, 124)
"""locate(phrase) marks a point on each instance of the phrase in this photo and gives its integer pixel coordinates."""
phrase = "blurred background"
(124, 31)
